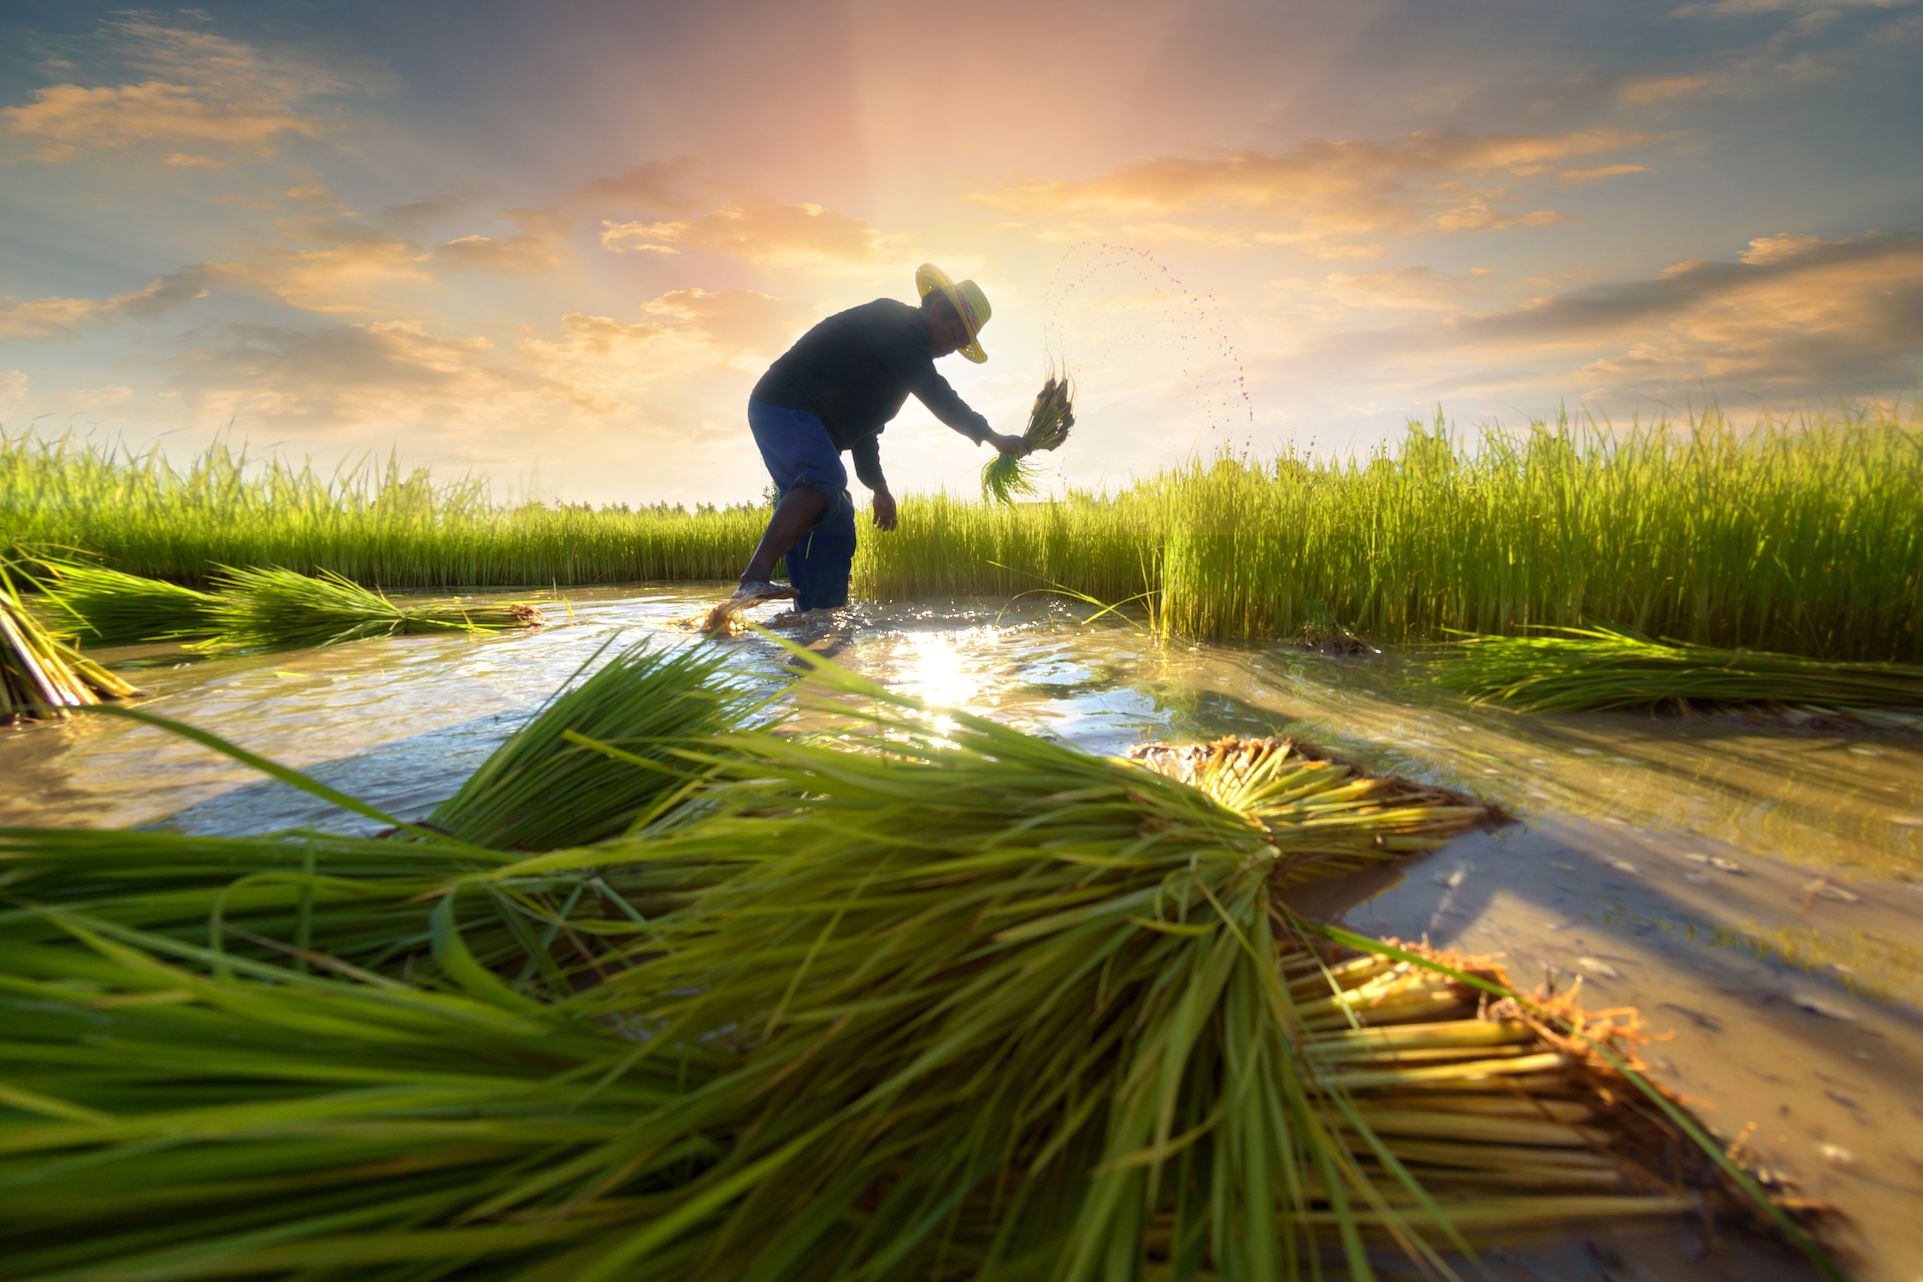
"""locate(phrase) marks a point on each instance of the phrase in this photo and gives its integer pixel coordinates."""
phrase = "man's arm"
(867, 456)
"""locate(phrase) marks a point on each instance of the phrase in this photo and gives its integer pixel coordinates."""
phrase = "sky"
(559, 243)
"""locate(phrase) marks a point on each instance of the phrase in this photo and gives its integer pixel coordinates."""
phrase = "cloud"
(1794, 313)
(383, 375)
(1590, 173)
(610, 365)
(342, 277)
(1405, 288)
(539, 245)
(199, 89)
(737, 323)
(398, 375)
(1651, 89)
(676, 186)
(761, 230)
(1324, 190)
(1743, 8)
(63, 318)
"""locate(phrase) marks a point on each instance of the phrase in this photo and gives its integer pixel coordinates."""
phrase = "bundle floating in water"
(1579, 669)
(113, 608)
(1007, 475)
(41, 675)
(279, 609)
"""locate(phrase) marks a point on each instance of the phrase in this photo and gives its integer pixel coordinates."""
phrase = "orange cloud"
(539, 245)
(1325, 190)
(63, 318)
(200, 89)
(686, 348)
(1663, 88)
(1590, 173)
(343, 277)
(1422, 289)
(1795, 312)
(676, 186)
(741, 323)
(761, 230)
(369, 375)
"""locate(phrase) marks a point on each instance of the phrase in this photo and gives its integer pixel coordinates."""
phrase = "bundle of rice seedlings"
(545, 789)
(1578, 669)
(1007, 475)
(159, 1118)
(958, 1003)
(1505, 1108)
(277, 609)
(370, 902)
(112, 608)
(41, 675)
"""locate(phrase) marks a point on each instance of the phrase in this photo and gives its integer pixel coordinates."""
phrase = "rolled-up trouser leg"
(799, 452)
(818, 566)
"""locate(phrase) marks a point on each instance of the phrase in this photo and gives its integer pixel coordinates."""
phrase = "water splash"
(1209, 367)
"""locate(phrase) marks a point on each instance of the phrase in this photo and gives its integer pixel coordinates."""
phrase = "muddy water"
(1755, 893)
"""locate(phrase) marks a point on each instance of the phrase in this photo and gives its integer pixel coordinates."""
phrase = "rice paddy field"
(1800, 537)
(1749, 880)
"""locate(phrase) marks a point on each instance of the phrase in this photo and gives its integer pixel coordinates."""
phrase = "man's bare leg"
(793, 517)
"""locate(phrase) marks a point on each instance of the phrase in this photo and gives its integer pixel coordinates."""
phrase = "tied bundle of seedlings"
(1579, 669)
(1008, 475)
(370, 902)
(950, 1002)
(112, 608)
(600, 755)
(41, 674)
(278, 609)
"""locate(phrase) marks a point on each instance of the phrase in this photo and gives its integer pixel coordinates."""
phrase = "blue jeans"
(798, 451)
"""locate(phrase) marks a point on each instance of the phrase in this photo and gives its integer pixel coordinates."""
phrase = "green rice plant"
(41, 675)
(123, 609)
(543, 789)
(1007, 475)
(1580, 669)
(1795, 537)
(277, 609)
(1798, 537)
(146, 515)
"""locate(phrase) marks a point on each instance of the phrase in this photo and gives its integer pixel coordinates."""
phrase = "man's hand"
(1016, 445)
(884, 510)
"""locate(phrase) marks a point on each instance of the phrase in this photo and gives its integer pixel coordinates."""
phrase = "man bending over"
(835, 390)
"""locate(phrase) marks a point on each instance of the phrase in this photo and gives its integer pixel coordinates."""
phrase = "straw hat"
(968, 301)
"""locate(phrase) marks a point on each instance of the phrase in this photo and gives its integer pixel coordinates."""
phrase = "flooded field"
(1754, 892)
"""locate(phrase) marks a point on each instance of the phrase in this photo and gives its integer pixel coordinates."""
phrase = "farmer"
(835, 390)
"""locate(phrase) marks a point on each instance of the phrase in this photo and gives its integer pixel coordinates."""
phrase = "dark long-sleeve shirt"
(854, 370)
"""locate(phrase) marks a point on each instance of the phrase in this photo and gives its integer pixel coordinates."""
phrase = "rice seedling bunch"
(41, 674)
(1577, 669)
(545, 789)
(124, 609)
(278, 609)
(959, 1002)
(1007, 475)
(370, 902)
(160, 1120)
(981, 981)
